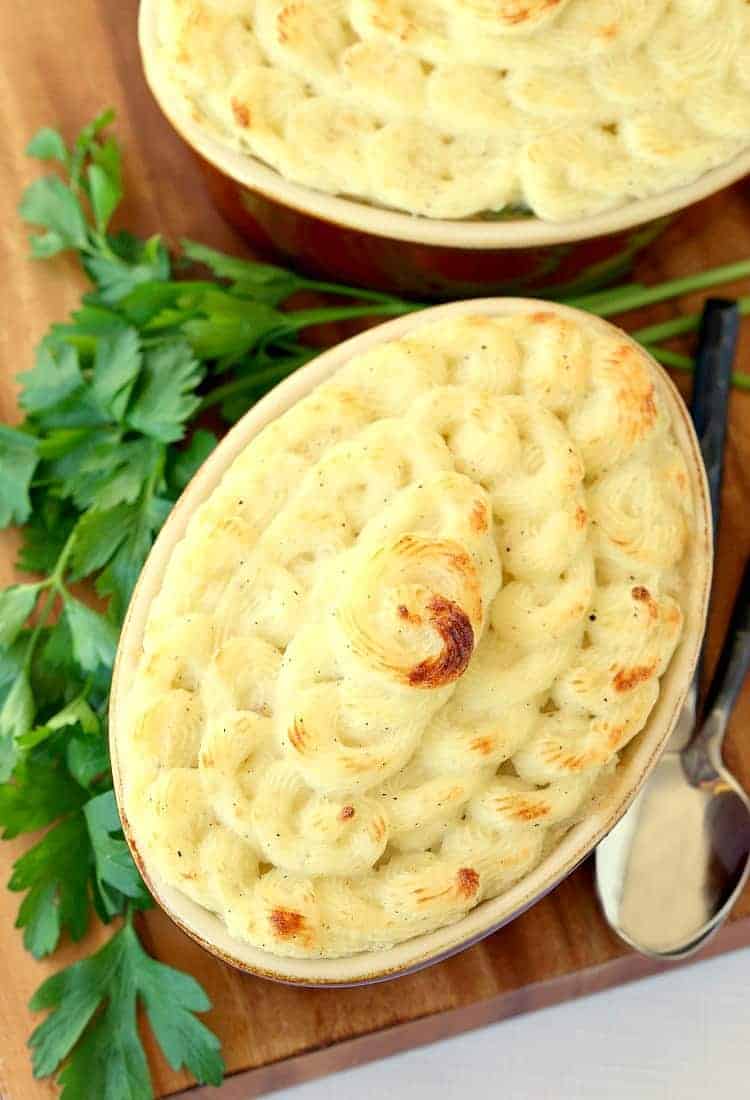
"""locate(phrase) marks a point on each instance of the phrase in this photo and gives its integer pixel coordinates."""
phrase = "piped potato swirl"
(456, 108)
(402, 644)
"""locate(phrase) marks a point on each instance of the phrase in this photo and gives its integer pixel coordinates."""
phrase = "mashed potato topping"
(404, 640)
(451, 108)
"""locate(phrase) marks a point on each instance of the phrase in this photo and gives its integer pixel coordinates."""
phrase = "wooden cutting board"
(62, 66)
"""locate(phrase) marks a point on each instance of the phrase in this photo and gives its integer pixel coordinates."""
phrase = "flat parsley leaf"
(49, 203)
(99, 470)
(55, 376)
(94, 637)
(57, 652)
(106, 1058)
(186, 462)
(165, 396)
(16, 717)
(87, 758)
(105, 191)
(99, 532)
(18, 459)
(12, 661)
(116, 873)
(130, 264)
(16, 604)
(86, 144)
(119, 578)
(41, 792)
(44, 534)
(230, 327)
(264, 282)
(55, 873)
(48, 144)
(117, 364)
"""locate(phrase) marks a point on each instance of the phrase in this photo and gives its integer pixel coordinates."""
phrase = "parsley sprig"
(93, 1013)
(114, 427)
(90, 475)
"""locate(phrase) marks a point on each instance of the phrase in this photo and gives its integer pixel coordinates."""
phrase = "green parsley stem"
(678, 326)
(304, 318)
(56, 577)
(343, 291)
(48, 603)
(607, 303)
(54, 582)
(257, 380)
(670, 358)
(677, 361)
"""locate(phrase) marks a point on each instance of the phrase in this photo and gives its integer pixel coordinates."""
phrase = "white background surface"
(683, 1035)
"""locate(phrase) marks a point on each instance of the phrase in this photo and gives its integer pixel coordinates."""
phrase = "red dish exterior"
(324, 248)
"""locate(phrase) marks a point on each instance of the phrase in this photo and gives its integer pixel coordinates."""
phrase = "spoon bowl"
(672, 868)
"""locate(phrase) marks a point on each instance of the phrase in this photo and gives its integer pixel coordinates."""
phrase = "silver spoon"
(669, 872)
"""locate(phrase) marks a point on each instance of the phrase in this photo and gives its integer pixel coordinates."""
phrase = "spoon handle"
(717, 345)
(709, 408)
(731, 672)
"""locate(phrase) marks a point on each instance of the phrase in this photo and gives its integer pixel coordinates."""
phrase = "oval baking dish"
(355, 242)
(636, 760)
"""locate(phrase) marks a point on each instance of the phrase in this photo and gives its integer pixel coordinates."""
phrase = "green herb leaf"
(44, 245)
(87, 758)
(100, 470)
(55, 376)
(86, 143)
(130, 265)
(108, 1062)
(8, 756)
(56, 678)
(78, 712)
(87, 324)
(99, 532)
(165, 396)
(47, 144)
(105, 192)
(232, 327)
(190, 458)
(17, 709)
(41, 792)
(148, 300)
(171, 998)
(44, 534)
(55, 873)
(117, 364)
(263, 282)
(16, 604)
(94, 637)
(18, 459)
(116, 874)
(17, 713)
(49, 203)
(57, 652)
(119, 578)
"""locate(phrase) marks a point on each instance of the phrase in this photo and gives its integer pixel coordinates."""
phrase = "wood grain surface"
(60, 63)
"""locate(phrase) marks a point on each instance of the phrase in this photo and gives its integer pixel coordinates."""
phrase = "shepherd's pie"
(401, 645)
(455, 108)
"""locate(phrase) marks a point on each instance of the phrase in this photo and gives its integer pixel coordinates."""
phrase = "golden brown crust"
(468, 881)
(625, 679)
(454, 627)
(285, 922)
